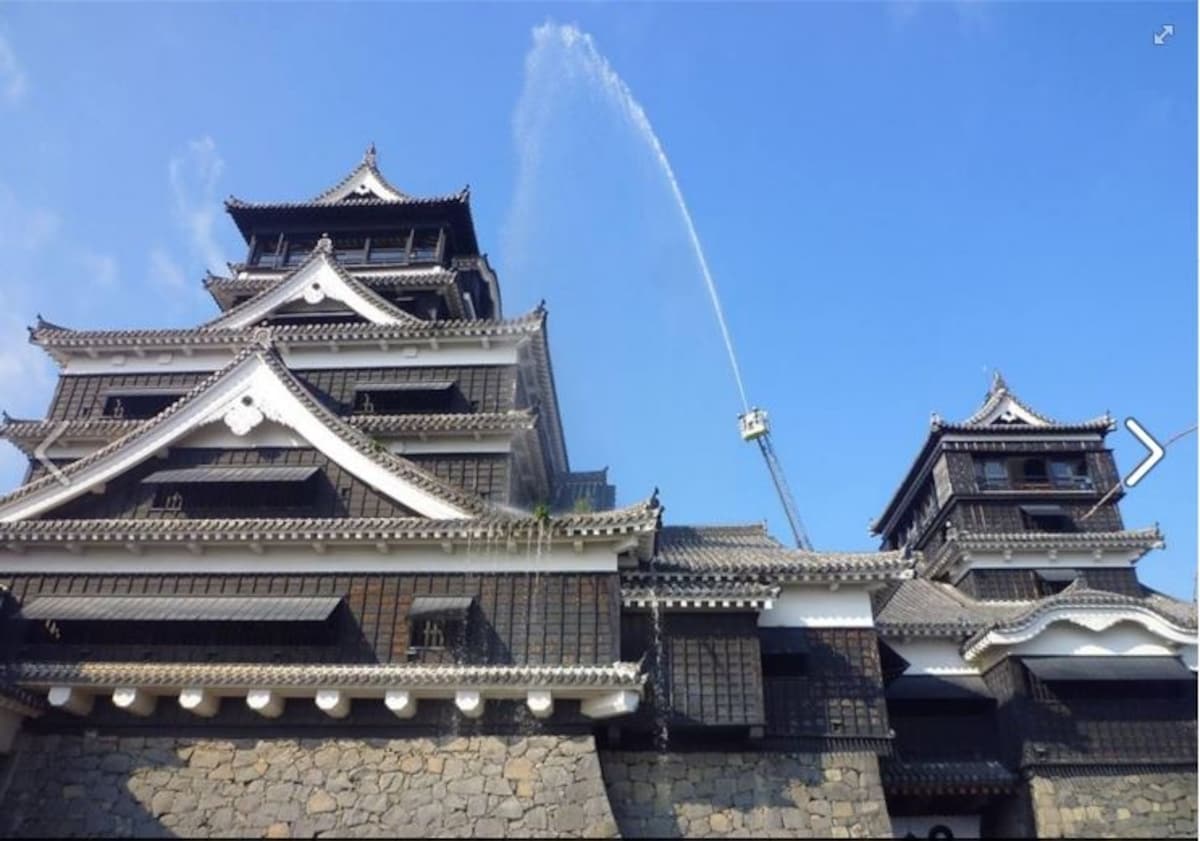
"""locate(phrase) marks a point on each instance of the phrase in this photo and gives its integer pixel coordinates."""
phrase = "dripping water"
(658, 680)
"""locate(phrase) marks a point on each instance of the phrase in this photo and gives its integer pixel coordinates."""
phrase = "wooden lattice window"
(429, 633)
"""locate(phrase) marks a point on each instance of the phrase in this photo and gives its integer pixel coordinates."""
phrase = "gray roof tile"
(748, 549)
(245, 675)
(181, 608)
(930, 608)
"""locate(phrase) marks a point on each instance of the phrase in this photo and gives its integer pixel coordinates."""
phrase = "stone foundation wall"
(541, 786)
(1130, 805)
(739, 795)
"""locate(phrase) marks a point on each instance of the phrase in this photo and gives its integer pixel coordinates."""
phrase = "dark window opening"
(438, 626)
(426, 244)
(993, 474)
(1047, 518)
(298, 250)
(138, 406)
(409, 398)
(234, 491)
(1070, 473)
(426, 305)
(785, 665)
(320, 314)
(191, 634)
(389, 248)
(217, 498)
(431, 633)
(1033, 473)
(1051, 581)
(266, 250)
(785, 652)
(350, 249)
(1060, 473)
(1106, 690)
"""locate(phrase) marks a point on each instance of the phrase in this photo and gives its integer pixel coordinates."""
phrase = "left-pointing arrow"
(1156, 452)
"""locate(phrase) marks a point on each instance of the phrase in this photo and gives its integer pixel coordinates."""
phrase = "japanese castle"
(321, 566)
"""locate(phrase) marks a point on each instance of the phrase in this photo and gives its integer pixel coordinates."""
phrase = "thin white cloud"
(972, 15)
(165, 272)
(100, 269)
(14, 84)
(194, 174)
(24, 228)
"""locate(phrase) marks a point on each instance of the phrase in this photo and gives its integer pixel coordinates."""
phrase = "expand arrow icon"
(1160, 38)
(1156, 452)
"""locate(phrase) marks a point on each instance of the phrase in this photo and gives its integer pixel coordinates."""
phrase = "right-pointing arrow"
(1156, 452)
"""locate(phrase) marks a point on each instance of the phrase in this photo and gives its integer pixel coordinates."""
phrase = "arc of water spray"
(579, 46)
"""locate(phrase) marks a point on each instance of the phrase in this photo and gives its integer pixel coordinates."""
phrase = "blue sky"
(895, 199)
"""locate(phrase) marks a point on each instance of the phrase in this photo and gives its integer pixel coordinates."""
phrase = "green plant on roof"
(582, 505)
(541, 512)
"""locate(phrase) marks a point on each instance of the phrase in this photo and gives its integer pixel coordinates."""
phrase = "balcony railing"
(1047, 483)
(417, 250)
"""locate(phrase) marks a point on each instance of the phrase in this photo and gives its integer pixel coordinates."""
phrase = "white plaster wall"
(1064, 638)
(801, 606)
(266, 434)
(932, 657)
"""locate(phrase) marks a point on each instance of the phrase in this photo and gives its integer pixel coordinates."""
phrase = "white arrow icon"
(1156, 452)
(1160, 38)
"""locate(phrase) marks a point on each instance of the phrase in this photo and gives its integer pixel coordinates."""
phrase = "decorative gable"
(366, 182)
(255, 388)
(318, 280)
(1003, 408)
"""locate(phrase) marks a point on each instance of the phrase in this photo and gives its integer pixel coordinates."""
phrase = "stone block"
(320, 802)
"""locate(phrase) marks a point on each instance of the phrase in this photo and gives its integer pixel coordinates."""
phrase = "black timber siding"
(338, 493)
(1004, 515)
(944, 731)
(1023, 584)
(1120, 722)
(489, 388)
(713, 670)
(485, 474)
(555, 619)
(840, 693)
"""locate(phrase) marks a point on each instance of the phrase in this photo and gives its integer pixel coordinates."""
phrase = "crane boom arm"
(785, 493)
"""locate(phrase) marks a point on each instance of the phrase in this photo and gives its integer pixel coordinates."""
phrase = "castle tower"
(332, 508)
(1025, 663)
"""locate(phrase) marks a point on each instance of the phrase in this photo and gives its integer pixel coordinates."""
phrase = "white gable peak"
(240, 398)
(318, 279)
